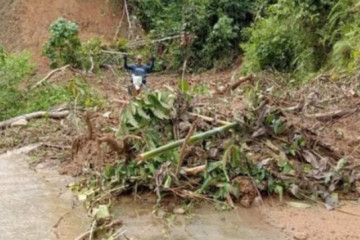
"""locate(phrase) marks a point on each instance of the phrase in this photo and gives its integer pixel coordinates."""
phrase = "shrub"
(219, 44)
(64, 43)
(13, 99)
(90, 54)
(287, 37)
(343, 30)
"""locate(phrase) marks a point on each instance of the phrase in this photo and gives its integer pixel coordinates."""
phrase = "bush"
(13, 68)
(13, 99)
(287, 37)
(82, 94)
(219, 44)
(278, 46)
(63, 46)
(344, 33)
(90, 54)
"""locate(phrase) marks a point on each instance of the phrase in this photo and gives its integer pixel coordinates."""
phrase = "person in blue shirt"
(139, 70)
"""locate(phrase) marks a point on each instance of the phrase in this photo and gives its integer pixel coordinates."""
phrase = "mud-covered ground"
(37, 205)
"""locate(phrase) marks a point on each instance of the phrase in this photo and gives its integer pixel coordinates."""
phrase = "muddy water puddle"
(203, 222)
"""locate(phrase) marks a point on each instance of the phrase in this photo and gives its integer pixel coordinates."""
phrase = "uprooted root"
(247, 190)
(87, 150)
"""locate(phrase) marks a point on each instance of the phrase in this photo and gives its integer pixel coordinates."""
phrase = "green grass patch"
(15, 100)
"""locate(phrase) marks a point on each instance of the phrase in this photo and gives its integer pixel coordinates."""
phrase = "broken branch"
(208, 119)
(114, 52)
(331, 115)
(49, 75)
(108, 226)
(41, 114)
(195, 170)
(144, 42)
(232, 87)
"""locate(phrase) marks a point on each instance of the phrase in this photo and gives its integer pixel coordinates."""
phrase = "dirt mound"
(24, 23)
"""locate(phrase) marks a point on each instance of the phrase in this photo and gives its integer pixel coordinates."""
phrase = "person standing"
(139, 72)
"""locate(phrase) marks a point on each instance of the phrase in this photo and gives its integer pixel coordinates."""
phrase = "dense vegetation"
(16, 98)
(13, 98)
(216, 27)
(300, 36)
(304, 36)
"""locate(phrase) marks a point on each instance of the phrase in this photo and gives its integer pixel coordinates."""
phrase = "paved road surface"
(31, 203)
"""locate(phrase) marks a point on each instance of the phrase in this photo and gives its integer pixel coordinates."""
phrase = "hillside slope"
(24, 23)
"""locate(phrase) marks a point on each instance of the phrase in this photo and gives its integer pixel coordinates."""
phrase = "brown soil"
(142, 222)
(24, 23)
(315, 222)
(87, 150)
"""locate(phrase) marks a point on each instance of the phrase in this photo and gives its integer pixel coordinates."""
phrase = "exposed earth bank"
(24, 24)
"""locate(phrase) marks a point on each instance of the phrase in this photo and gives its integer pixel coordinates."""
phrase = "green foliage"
(13, 69)
(216, 26)
(64, 43)
(90, 54)
(183, 85)
(147, 110)
(15, 100)
(219, 44)
(82, 94)
(287, 38)
(303, 37)
(121, 44)
(344, 32)
(160, 17)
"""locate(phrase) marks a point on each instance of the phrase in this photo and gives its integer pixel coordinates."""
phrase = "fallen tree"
(216, 164)
(147, 155)
(40, 114)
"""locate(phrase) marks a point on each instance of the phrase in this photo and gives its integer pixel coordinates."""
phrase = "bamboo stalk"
(184, 146)
(208, 119)
(150, 154)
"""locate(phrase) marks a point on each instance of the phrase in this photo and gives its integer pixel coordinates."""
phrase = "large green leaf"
(142, 113)
(159, 114)
(131, 120)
